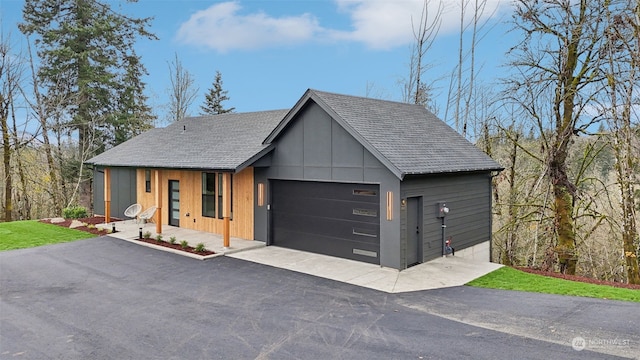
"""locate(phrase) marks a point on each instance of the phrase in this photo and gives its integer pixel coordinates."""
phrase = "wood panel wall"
(191, 201)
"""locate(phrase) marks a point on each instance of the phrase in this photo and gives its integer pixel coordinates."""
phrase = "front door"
(174, 203)
(414, 231)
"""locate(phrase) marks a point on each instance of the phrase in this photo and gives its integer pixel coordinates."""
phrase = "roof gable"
(407, 139)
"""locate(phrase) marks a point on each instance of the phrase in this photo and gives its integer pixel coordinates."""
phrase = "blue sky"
(270, 52)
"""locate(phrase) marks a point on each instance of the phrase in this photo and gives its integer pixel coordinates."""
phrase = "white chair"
(133, 211)
(147, 215)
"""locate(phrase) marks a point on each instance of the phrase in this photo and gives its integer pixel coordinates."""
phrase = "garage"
(336, 219)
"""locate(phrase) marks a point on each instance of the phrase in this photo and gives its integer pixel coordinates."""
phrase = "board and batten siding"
(241, 225)
(467, 195)
(315, 147)
(121, 199)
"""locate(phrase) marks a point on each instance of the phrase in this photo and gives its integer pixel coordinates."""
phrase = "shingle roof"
(407, 138)
(218, 142)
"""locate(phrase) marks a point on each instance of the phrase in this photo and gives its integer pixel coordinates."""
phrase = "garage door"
(334, 219)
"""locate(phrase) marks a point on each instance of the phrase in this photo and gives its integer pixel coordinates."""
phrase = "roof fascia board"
(255, 158)
(287, 118)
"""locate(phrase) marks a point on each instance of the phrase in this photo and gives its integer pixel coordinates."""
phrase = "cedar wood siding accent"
(467, 195)
(191, 201)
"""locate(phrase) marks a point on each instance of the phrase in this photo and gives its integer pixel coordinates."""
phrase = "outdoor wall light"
(403, 202)
(260, 194)
(442, 209)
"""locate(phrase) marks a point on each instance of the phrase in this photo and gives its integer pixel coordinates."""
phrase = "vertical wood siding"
(191, 201)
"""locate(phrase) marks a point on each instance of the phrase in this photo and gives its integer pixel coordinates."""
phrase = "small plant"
(200, 248)
(147, 235)
(91, 226)
(74, 212)
(158, 238)
(184, 244)
(172, 240)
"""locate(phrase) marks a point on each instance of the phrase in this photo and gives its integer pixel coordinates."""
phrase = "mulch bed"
(88, 221)
(583, 279)
(176, 246)
(100, 220)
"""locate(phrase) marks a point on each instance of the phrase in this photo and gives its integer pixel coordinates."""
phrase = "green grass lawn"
(511, 279)
(31, 233)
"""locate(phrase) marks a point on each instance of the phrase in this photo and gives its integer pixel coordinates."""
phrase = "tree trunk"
(23, 179)
(6, 158)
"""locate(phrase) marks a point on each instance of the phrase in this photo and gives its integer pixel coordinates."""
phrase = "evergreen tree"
(87, 57)
(215, 97)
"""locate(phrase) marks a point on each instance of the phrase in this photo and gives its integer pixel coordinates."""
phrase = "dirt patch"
(583, 279)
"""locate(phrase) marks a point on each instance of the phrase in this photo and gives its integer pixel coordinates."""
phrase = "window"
(365, 212)
(147, 180)
(364, 192)
(220, 191)
(209, 194)
(212, 199)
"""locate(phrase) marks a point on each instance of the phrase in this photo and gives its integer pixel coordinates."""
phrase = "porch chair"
(132, 211)
(147, 215)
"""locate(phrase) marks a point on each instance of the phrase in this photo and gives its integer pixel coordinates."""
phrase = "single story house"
(359, 178)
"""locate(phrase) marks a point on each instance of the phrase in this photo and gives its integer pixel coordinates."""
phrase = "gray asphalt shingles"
(412, 138)
(409, 137)
(221, 142)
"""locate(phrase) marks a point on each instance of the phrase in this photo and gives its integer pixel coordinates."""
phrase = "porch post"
(226, 208)
(107, 195)
(158, 186)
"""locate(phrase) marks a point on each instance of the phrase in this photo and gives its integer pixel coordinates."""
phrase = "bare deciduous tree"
(10, 73)
(414, 89)
(182, 92)
(559, 56)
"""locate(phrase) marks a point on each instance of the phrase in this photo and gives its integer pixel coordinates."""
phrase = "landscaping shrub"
(74, 212)
(200, 248)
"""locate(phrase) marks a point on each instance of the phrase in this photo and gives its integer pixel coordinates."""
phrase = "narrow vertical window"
(208, 194)
(147, 180)
(389, 205)
(220, 195)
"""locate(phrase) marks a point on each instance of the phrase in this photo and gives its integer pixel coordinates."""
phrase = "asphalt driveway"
(105, 298)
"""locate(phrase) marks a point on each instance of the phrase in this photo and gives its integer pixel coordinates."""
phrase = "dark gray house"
(346, 176)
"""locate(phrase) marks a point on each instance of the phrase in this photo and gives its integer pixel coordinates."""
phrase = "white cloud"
(222, 28)
(379, 24)
(387, 24)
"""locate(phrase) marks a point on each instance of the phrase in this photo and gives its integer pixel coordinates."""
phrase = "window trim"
(216, 195)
